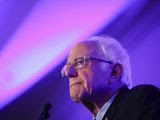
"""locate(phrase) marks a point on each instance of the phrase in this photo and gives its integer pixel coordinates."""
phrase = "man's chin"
(76, 99)
(78, 95)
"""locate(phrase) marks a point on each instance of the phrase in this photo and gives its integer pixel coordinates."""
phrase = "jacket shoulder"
(148, 93)
(145, 88)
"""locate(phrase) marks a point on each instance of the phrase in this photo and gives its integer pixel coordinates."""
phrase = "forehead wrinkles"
(88, 48)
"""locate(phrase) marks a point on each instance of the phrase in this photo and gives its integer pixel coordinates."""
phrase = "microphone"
(47, 107)
(45, 114)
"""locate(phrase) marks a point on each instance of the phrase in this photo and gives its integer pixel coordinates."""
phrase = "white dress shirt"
(104, 109)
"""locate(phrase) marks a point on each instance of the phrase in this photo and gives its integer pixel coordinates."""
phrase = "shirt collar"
(104, 108)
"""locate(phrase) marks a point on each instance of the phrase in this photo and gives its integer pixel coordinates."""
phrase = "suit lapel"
(114, 106)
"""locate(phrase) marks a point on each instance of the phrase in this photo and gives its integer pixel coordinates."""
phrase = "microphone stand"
(45, 114)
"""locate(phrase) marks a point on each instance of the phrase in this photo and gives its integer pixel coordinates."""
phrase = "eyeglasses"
(80, 63)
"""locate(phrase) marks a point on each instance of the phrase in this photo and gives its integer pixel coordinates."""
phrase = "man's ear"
(116, 73)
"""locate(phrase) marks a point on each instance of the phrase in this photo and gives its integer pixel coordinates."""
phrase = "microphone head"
(47, 107)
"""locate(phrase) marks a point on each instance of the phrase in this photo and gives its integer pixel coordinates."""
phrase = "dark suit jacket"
(139, 103)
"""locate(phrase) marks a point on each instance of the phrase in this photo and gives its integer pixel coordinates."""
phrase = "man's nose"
(71, 72)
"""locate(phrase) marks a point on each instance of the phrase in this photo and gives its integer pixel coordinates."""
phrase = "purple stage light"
(44, 38)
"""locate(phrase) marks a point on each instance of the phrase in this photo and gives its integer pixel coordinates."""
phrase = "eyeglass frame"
(85, 58)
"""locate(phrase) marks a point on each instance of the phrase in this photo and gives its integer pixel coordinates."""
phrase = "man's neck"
(94, 105)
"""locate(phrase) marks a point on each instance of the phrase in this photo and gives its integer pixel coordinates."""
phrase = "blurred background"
(35, 39)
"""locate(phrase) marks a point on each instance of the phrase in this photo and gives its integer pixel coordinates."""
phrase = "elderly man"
(100, 77)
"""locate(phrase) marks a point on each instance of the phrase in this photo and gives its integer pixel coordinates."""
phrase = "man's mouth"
(75, 83)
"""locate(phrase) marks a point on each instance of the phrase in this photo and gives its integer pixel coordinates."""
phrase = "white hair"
(110, 49)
